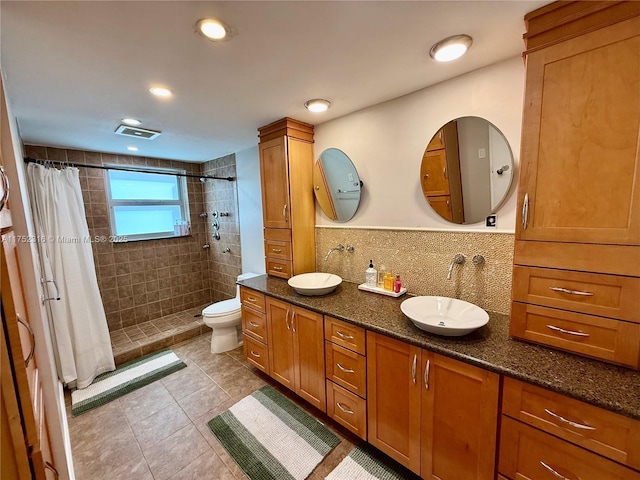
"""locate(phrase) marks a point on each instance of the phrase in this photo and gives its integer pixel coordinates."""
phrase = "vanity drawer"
(252, 299)
(344, 334)
(612, 340)
(254, 324)
(346, 368)
(277, 249)
(528, 453)
(278, 268)
(256, 353)
(347, 409)
(614, 436)
(278, 234)
(596, 294)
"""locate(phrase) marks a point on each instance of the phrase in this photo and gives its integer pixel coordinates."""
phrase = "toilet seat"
(223, 308)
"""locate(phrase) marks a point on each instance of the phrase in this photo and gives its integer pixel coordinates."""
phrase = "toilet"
(225, 319)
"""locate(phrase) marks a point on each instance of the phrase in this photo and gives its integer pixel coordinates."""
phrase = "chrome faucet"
(339, 248)
(459, 260)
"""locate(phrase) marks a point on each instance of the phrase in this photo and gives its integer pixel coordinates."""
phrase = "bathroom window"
(149, 204)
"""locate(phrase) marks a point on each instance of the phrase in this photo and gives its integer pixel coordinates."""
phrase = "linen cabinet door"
(280, 342)
(459, 419)
(274, 174)
(308, 354)
(580, 172)
(393, 394)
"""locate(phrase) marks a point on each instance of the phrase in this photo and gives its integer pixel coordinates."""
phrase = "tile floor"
(160, 432)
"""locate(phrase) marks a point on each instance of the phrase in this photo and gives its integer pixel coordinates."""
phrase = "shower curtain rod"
(125, 169)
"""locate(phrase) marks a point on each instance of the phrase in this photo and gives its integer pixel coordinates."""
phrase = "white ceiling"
(74, 69)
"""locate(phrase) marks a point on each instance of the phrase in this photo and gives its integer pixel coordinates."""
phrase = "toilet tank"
(244, 276)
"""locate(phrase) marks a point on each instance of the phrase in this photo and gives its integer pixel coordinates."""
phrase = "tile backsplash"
(422, 259)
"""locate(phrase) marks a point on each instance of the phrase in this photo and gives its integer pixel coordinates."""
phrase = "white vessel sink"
(317, 283)
(444, 316)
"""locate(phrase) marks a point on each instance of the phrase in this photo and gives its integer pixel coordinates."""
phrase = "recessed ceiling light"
(317, 105)
(132, 149)
(132, 121)
(160, 91)
(213, 29)
(450, 48)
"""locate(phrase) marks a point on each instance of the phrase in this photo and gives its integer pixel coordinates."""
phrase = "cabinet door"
(442, 205)
(280, 341)
(274, 174)
(433, 173)
(459, 419)
(393, 392)
(579, 164)
(308, 355)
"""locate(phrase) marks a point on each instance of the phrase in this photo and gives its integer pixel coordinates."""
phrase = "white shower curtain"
(79, 325)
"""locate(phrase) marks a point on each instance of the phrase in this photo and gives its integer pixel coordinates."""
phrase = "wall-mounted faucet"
(459, 259)
(339, 248)
(350, 248)
(478, 259)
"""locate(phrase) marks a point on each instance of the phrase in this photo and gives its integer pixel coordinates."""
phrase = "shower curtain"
(78, 322)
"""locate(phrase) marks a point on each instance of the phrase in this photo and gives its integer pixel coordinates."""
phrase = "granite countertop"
(490, 347)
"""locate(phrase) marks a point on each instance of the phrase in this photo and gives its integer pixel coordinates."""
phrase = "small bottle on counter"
(397, 284)
(371, 275)
(382, 271)
(388, 282)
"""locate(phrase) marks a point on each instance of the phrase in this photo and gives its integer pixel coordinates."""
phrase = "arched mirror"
(466, 170)
(336, 185)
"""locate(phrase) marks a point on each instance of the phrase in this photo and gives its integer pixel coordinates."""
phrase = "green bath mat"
(124, 379)
(367, 463)
(271, 438)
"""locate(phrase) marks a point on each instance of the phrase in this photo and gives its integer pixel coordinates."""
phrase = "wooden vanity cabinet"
(288, 208)
(296, 350)
(577, 245)
(254, 328)
(435, 415)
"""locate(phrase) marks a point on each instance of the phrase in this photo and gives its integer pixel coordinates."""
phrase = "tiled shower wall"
(422, 259)
(220, 195)
(141, 280)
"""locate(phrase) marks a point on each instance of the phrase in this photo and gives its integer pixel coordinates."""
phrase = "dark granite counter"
(601, 384)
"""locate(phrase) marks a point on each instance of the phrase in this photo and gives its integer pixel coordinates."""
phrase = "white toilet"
(225, 320)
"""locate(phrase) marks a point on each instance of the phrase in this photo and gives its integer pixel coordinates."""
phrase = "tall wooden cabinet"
(296, 350)
(288, 208)
(435, 415)
(577, 250)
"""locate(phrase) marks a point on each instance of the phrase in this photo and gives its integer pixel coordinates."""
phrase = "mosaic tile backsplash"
(422, 259)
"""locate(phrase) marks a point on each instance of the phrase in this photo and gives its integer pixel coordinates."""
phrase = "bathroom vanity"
(449, 407)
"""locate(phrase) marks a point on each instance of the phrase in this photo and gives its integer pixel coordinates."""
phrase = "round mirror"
(466, 170)
(336, 185)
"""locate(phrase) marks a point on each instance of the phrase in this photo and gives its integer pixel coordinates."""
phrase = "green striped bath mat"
(124, 379)
(271, 438)
(367, 463)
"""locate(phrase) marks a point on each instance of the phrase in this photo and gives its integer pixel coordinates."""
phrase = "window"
(147, 205)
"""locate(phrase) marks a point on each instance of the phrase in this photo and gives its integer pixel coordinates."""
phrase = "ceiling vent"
(137, 132)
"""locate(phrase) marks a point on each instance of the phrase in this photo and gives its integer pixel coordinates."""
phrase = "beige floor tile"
(243, 383)
(159, 425)
(174, 453)
(203, 400)
(136, 469)
(186, 381)
(207, 466)
(145, 401)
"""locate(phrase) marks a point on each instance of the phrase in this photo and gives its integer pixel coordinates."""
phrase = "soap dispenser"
(371, 275)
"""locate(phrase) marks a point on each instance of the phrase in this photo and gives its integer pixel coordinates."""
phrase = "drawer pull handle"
(555, 474)
(257, 355)
(253, 324)
(277, 268)
(413, 368)
(426, 375)
(571, 292)
(252, 300)
(32, 348)
(284, 213)
(286, 320)
(49, 466)
(525, 211)
(344, 409)
(564, 420)
(344, 369)
(276, 250)
(293, 321)
(344, 336)
(569, 332)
